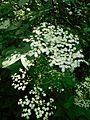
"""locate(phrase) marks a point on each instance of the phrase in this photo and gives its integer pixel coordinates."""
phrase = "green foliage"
(83, 93)
(20, 72)
(23, 2)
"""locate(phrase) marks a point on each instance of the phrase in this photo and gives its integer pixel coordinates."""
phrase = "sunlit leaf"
(11, 60)
(24, 61)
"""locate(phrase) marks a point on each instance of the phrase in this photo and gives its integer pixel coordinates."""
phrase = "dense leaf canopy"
(45, 59)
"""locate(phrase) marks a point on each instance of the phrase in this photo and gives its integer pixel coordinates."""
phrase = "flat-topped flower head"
(60, 46)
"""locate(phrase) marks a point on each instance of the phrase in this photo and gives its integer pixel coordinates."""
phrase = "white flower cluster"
(83, 93)
(82, 102)
(38, 104)
(5, 24)
(75, 10)
(57, 44)
(20, 14)
(57, 88)
(19, 82)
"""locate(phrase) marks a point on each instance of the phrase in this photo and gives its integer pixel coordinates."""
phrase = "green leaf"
(70, 1)
(10, 60)
(23, 2)
(14, 26)
(0, 62)
(68, 80)
(69, 102)
(24, 61)
(87, 29)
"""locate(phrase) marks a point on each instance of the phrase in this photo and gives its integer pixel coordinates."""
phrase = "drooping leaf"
(10, 60)
(24, 61)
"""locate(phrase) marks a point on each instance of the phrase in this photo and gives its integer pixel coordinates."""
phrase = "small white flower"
(15, 87)
(16, 79)
(44, 94)
(70, 13)
(36, 102)
(30, 105)
(51, 100)
(33, 99)
(13, 84)
(43, 108)
(23, 81)
(38, 116)
(39, 52)
(28, 9)
(30, 92)
(49, 87)
(29, 111)
(27, 117)
(22, 105)
(37, 98)
(19, 103)
(21, 84)
(19, 88)
(25, 110)
(22, 115)
(23, 88)
(46, 114)
(26, 83)
(48, 104)
(47, 108)
(62, 89)
(32, 102)
(23, 75)
(42, 112)
(35, 109)
(50, 114)
(41, 102)
(38, 108)
(26, 96)
(36, 54)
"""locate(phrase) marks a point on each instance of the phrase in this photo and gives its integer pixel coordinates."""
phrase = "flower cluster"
(74, 9)
(20, 14)
(5, 24)
(82, 98)
(57, 44)
(39, 104)
(57, 89)
(19, 82)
